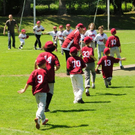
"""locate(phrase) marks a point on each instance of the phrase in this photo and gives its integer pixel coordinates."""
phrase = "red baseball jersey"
(72, 40)
(39, 81)
(51, 61)
(112, 41)
(86, 52)
(107, 65)
(75, 65)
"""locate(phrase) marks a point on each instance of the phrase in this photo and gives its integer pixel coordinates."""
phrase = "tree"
(27, 10)
(62, 7)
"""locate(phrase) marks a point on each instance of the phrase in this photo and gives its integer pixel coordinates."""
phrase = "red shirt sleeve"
(107, 43)
(68, 64)
(57, 63)
(31, 79)
(76, 40)
(118, 42)
(99, 62)
(115, 60)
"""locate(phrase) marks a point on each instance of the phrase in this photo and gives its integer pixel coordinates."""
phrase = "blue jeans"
(9, 39)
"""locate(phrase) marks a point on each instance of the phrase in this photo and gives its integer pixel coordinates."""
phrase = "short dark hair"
(49, 49)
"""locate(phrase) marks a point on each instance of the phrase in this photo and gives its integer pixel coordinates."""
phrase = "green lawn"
(107, 112)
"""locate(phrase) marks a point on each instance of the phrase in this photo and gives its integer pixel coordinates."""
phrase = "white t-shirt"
(22, 37)
(91, 33)
(36, 29)
(99, 38)
(53, 34)
(66, 33)
(60, 35)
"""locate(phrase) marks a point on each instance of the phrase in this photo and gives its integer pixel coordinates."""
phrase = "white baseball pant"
(61, 42)
(77, 84)
(41, 102)
(100, 49)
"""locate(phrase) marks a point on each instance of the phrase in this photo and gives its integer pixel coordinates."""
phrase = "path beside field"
(127, 71)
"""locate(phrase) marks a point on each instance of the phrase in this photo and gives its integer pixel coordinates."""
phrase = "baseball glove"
(27, 36)
(97, 71)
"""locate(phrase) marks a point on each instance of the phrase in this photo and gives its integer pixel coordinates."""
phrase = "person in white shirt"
(101, 39)
(82, 37)
(92, 33)
(53, 34)
(67, 31)
(38, 32)
(59, 36)
(22, 37)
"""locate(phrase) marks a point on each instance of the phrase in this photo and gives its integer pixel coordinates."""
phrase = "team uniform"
(101, 46)
(82, 39)
(22, 38)
(107, 67)
(113, 43)
(66, 33)
(90, 65)
(76, 64)
(53, 34)
(39, 81)
(38, 34)
(92, 34)
(61, 39)
(51, 61)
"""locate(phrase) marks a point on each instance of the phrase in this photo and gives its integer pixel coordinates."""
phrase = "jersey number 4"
(49, 59)
(107, 63)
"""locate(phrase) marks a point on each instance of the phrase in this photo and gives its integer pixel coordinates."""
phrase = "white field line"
(15, 130)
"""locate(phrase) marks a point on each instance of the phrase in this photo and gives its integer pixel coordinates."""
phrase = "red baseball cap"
(68, 25)
(73, 50)
(61, 26)
(106, 51)
(40, 60)
(49, 44)
(80, 25)
(23, 30)
(113, 31)
(87, 40)
(84, 29)
(38, 22)
(54, 27)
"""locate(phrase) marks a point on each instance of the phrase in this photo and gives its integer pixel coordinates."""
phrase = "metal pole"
(96, 12)
(34, 11)
(108, 14)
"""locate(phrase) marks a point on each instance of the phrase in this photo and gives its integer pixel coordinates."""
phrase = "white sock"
(87, 90)
(120, 63)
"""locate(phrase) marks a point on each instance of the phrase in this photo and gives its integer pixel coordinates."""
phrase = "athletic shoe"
(106, 86)
(9, 48)
(37, 121)
(80, 101)
(87, 93)
(68, 73)
(75, 102)
(47, 110)
(19, 47)
(93, 86)
(109, 83)
(121, 67)
(35, 48)
(45, 121)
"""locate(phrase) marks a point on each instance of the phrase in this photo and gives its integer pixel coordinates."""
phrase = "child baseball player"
(52, 65)
(82, 37)
(113, 43)
(39, 82)
(38, 32)
(101, 40)
(107, 66)
(53, 34)
(89, 59)
(75, 65)
(22, 37)
(59, 36)
(67, 31)
(92, 33)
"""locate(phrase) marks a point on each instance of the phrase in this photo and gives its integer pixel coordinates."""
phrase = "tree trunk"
(117, 7)
(4, 7)
(125, 6)
(133, 5)
(27, 10)
(62, 7)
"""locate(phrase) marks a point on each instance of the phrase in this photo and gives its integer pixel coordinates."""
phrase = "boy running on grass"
(75, 65)
(39, 82)
(107, 66)
(89, 59)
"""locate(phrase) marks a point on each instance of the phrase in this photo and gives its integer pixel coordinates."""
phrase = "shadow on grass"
(129, 69)
(99, 102)
(73, 110)
(121, 87)
(111, 94)
(52, 126)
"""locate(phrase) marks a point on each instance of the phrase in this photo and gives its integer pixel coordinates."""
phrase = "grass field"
(107, 112)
